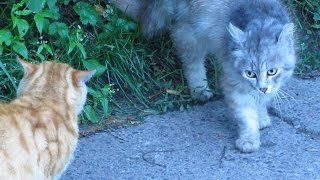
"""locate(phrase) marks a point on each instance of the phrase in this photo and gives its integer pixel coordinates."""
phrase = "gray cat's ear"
(237, 34)
(286, 36)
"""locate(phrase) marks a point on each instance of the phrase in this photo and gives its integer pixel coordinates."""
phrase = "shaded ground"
(200, 144)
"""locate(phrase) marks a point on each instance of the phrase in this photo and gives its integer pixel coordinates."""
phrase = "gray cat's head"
(263, 57)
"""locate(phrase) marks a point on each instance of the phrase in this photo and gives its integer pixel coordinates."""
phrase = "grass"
(136, 77)
(306, 14)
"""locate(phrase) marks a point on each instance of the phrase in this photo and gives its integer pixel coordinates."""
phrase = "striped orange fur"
(39, 129)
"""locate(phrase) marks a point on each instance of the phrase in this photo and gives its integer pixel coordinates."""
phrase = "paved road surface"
(200, 145)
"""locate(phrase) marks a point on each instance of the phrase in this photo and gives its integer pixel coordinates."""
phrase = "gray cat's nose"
(264, 90)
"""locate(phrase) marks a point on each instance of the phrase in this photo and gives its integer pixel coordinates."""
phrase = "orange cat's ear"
(81, 77)
(27, 67)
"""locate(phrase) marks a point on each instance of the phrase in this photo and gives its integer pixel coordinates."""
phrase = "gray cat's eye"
(250, 74)
(272, 72)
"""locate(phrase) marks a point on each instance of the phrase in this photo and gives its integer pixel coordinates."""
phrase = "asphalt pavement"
(200, 144)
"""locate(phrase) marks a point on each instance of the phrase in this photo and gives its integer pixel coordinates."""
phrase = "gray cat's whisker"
(289, 95)
(283, 96)
(290, 99)
(278, 105)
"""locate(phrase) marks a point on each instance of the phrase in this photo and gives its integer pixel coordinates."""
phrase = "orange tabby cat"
(39, 130)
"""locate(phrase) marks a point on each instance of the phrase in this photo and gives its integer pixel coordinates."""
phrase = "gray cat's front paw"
(248, 144)
(203, 95)
(264, 122)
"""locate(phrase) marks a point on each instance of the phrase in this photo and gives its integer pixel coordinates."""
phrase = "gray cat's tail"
(154, 15)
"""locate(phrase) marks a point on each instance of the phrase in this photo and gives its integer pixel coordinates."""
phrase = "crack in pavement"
(222, 157)
(298, 127)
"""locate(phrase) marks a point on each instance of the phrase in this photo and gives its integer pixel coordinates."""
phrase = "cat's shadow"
(213, 123)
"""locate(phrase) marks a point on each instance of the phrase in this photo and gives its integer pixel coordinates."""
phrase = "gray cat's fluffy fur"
(252, 39)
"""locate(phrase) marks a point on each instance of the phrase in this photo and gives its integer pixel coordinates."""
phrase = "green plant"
(310, 9)
(133, 77)
(307, 17)
(39, 30)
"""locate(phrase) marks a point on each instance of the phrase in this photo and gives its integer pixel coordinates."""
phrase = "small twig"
(152, 161)
(155, 95)
(222, 156)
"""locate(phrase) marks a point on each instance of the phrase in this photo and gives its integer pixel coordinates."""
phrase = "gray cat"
(252, 39)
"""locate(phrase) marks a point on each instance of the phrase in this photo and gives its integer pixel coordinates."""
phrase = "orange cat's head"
(57, 81)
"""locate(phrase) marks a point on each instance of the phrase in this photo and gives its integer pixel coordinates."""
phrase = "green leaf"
(105, 106)
(151, 112)
(55, 11)
(40, 48)
(39, 20)
(316, 26)
(94, 64)
(36, 5)
(23, 26)
(23, 12)
(21, 49)
(129, 26)
(54, 28)
(5, 36)
(66, 2)
(125, 25)
(120, 22)
(108, 27)
(82, 50)
(46, 25)
(51, 3)
(14, 21)
(182, 108)
(87, 13)
(1, 49)
(41, 56)
(72, 45)
(90, 114)
(49, 14)
(48, 48)
(59, 28)
(16, 6)
(91, 91)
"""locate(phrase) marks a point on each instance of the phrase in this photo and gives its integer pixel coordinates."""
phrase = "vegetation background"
(134, 77)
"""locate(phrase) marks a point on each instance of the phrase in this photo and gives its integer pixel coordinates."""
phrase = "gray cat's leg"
(248, 123)
(264, 119)
(249, 136)
(195, 73)
(192, 54)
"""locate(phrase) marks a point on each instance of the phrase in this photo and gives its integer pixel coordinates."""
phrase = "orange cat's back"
(34, 139)
(39, 130)
(18, 154)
